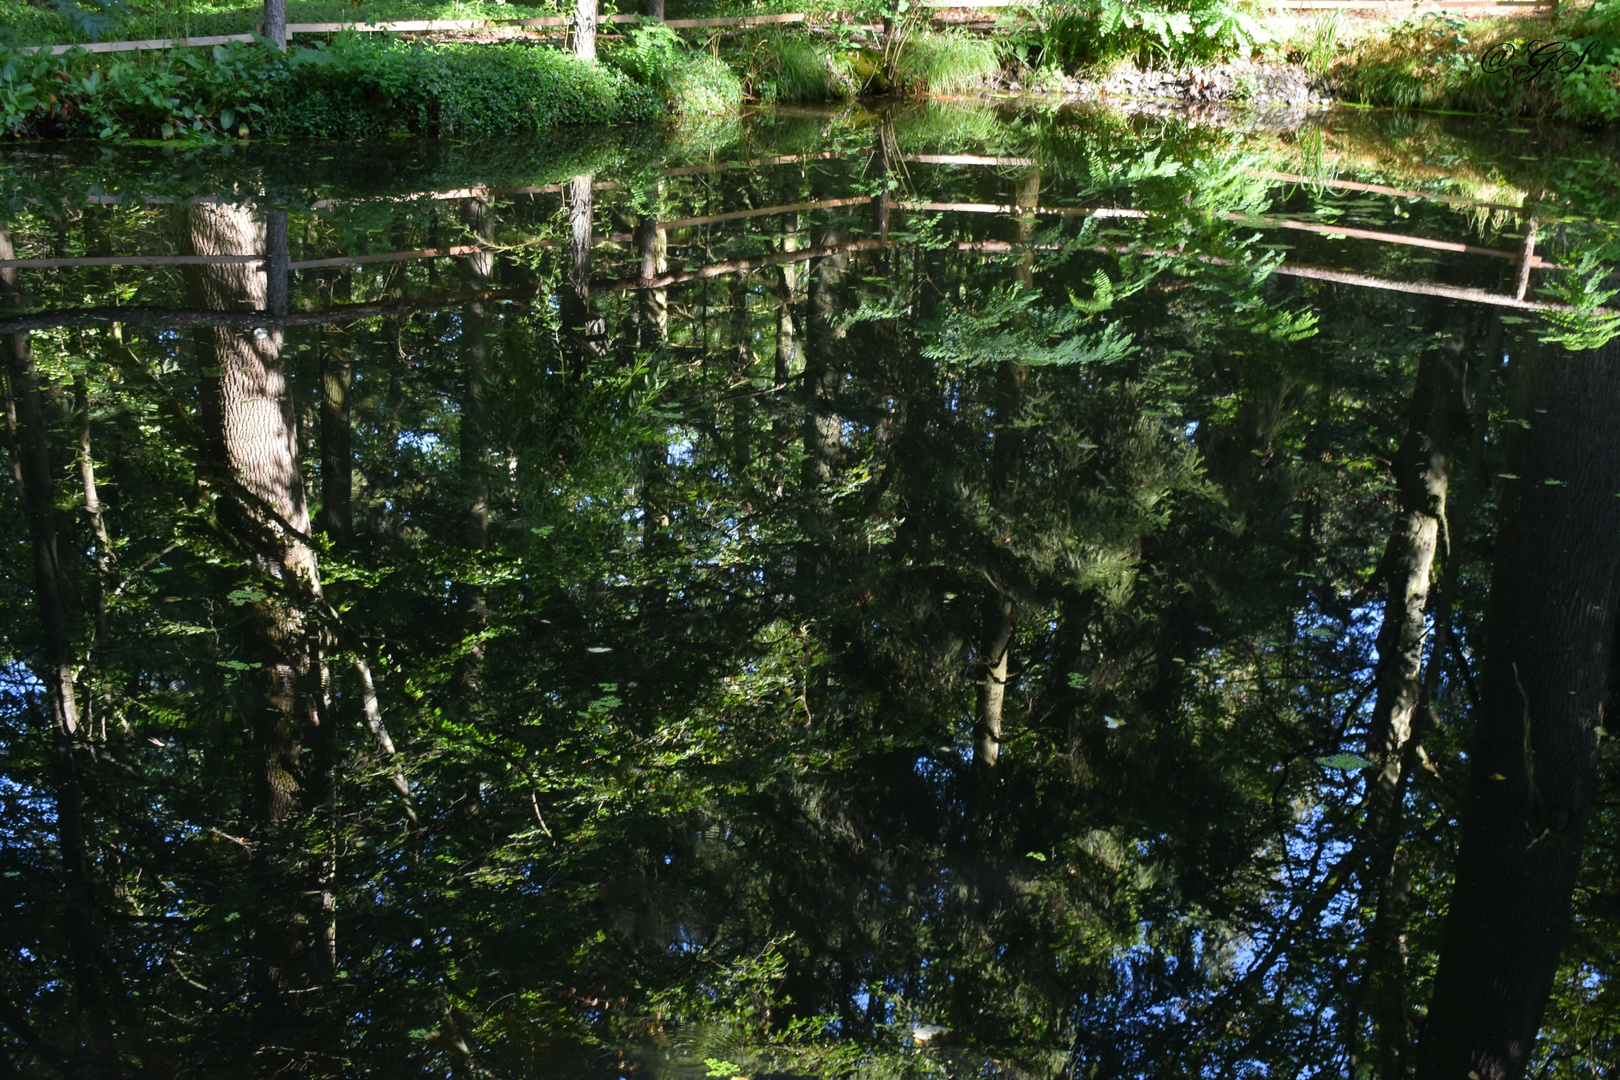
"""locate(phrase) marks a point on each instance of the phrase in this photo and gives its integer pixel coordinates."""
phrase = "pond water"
(948, 591)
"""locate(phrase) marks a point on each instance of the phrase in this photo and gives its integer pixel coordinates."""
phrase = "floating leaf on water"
(1497, 776)
(1344, 762)
(1037, 856)
(598, 648)
(1112, 723)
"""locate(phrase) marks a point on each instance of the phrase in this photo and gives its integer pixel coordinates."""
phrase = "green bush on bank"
(358, 86)
(1085, 35)
(688, 81)
(1434, 62)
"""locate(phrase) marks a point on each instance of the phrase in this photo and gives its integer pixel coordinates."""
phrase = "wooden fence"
(740, 22)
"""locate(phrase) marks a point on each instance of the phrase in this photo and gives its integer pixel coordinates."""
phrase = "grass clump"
(358, 86)
(796, 67)
(946, 63)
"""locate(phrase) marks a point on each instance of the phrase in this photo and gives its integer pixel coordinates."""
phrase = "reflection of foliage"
(688, 735)
(1006, 326)
(1590, 325)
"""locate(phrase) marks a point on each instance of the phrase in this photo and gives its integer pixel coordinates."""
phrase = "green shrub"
(355, 87)
(1082, 34)
(945, 63)
(487, 89)
(688, 81)
(705, 85)
(1433, 62)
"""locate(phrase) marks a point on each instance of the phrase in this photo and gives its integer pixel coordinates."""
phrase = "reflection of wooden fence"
(1525, 257)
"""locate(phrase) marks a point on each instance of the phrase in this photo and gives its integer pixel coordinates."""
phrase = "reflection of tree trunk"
(823, 435)
(1549, 627)
(337, 454)
(584, 335)
(652, 248)
(998, 610)
(31, 472)
(474, 444)
(250, 451)
(785, 360)
(92, 506)
(742, 364)
(1423, 475)
(385, 743)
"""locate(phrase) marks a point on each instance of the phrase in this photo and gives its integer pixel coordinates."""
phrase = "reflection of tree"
(70, 755)
(251, 456)
(1533, 771)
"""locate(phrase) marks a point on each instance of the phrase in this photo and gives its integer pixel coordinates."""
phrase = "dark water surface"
(952, 592)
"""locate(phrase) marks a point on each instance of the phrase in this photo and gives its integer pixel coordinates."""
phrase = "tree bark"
(1549, 627)
(250, 454)
(275, 23)
(32, 473)
(584, 29)
(655, 9)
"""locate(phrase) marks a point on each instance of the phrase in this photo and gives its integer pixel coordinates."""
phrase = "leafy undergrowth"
(358, 86)
(62, 22)
(1434, 62)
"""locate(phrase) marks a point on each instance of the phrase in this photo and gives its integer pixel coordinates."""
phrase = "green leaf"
(1344, 762)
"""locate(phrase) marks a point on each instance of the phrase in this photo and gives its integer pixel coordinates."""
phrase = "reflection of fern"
(1590, 325)
(1008, 326)
(1106, 292)
(91, 19)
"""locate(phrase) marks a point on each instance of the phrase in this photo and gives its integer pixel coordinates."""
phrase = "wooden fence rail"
(450, 26)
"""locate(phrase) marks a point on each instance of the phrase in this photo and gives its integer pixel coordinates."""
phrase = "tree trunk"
(250, 456)
(584, 29)
(1549, 626)
(31, 472)
(655, 9)
(337, 451)
(275, 23)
